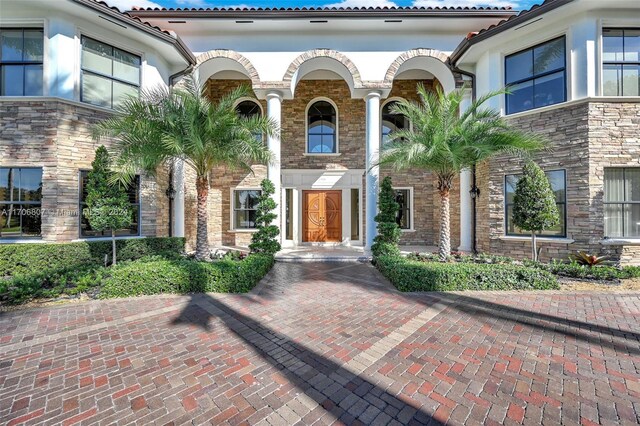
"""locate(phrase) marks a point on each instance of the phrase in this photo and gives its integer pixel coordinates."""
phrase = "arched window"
(392, 122)
(322, 125)
(248, 109)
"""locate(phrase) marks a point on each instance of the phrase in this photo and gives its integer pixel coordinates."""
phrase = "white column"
(372, 101)
(178, 200)
(466, 211)
(274, 109)
(466, 203)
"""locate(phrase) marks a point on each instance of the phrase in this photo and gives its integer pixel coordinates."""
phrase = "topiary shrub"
(411, 275)
(386, 242)
(534, 204)
(264, 240)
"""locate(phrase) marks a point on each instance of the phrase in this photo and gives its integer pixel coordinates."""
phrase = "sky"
(129, 4)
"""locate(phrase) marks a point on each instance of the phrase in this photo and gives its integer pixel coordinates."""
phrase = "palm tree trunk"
(202, 242)
(444, 248)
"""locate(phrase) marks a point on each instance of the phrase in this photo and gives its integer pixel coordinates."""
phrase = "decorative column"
(466, 211)
(178, 201)
(466, 202)
(274, 112)
(372, 101)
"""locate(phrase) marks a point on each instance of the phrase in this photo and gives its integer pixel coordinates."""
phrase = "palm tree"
(163, 125)
(445, 142)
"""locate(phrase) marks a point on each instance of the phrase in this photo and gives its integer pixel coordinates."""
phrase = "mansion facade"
(329, 78)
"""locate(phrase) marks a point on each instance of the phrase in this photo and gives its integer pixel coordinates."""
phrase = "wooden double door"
(321, 216)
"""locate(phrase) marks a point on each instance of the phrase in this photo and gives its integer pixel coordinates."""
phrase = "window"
(391, 122)
(536, 77)
(355, 214)
(20, 202)
(248, 109)
(622, 202)
(404, 197)
(108, 74)
(134, 198)
(558, 185)
(289, 214)
(322, 128)
(21, 62)
(245, 204)
(621, 62)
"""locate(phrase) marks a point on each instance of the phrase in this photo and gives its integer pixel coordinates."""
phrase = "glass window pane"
(611, 79)
(613, 220)
(612, 45)
(632, 184)
(33, 80)
(315, 143)
(521, 97)
(126, 66)
(511, 181)
(549, 90)
(6, 185)
(511, 228)
(31, 220)
(632, 220)
(355, 214)
(10, 220)
(613, 185)
(12, 80)
(328, 144)
(33, 45)
(245, 219)
(557, 181)
(630, 80)
(97, 56)
(248, 109)
(30, 184)
(519, 66)
(246, 199)
(96, 90)
(549, 57)
(11, 45)
(632, 45)
(121, 91)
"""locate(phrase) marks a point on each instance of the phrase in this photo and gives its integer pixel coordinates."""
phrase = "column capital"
(271, 94)
(373, 94)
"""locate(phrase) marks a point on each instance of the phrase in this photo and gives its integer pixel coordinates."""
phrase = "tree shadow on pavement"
(349, 397)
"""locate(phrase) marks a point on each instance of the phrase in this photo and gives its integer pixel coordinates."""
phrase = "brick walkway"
(316, 343)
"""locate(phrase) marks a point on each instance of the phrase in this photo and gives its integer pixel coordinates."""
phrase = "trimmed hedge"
(25, 259)
(185, 276)
(599, 272)
(412, 275)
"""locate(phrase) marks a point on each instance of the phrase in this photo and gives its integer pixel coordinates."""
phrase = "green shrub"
(25, 259)
(185, 276)
(412, 275)
(265, 239)
(388, 230)
(599, 272)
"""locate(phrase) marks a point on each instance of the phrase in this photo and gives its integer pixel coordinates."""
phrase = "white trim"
(605, 99)
(411, 208)
(306, 127)
(72, 102)
(233, 208)
(90, 239)
(620, 241)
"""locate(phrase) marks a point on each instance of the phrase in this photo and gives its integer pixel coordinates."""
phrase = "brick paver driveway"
(325, 342)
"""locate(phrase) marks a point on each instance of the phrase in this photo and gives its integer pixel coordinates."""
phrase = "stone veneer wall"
(585, 137)
(352, 148)
(55, 134)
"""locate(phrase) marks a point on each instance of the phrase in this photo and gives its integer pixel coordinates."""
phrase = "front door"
(322, 216)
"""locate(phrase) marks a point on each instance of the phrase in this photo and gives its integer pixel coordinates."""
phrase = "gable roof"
(134, 21)
(513, 21)
(324, 12)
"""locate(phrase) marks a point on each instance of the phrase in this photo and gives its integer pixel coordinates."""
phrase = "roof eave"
(523, 17)
(179, 45)
(315, 14)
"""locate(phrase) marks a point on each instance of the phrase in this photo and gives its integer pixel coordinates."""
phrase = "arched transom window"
(322, 127)
(392, 122)
(248, 109)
